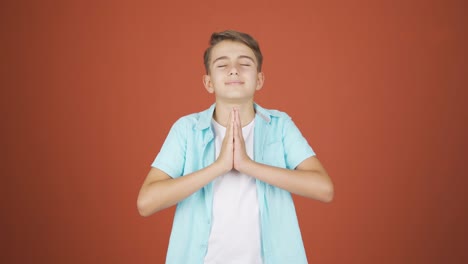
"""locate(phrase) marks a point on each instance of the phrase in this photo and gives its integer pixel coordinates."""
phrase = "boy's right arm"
(160, 191)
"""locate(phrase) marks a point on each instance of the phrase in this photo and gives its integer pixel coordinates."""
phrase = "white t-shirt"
(235, 230)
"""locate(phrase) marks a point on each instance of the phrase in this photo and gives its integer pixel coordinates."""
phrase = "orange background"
(91, 88)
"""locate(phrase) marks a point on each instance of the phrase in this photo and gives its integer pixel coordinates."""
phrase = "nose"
(233, 71)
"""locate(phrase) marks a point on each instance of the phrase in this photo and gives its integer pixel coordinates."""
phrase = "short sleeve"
(171, 157)
(296, 147)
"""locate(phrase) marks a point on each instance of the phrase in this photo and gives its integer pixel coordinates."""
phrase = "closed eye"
(221, 66)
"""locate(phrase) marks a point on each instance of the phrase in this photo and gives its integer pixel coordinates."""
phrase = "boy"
(230, 169)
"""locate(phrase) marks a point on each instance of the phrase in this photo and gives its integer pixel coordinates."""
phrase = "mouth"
(234, 83)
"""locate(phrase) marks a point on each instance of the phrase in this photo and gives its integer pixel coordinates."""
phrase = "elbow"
(327, 193)
(324, 194)
(143, 208)
(328, 196)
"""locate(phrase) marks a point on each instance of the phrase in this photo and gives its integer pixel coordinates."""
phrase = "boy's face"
(233, 73)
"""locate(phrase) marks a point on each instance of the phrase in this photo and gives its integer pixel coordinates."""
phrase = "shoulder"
(280, 115)
(279, 121)
(188, 119)
(195, 120)
(272, 115)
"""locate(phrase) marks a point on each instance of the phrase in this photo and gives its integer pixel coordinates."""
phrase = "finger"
(236, 124)
(230, 127)
(239, 128)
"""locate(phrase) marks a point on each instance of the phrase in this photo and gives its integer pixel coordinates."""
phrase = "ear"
(208, 84)
(260, 80)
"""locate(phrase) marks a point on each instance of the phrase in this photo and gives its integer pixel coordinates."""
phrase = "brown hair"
(236, 36)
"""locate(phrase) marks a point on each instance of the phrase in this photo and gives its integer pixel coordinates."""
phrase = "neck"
(222, 111)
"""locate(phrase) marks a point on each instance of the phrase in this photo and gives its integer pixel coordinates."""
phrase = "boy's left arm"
(308, 179)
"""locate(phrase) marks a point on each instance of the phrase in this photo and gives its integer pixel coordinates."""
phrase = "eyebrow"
(240, 57)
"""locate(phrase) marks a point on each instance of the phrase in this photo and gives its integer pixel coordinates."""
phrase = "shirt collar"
(204, 120)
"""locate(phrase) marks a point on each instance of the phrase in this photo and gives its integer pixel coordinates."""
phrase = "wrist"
(245, 166)
(220, 168)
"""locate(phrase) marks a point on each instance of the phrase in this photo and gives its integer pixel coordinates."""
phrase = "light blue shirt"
(190, 147)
